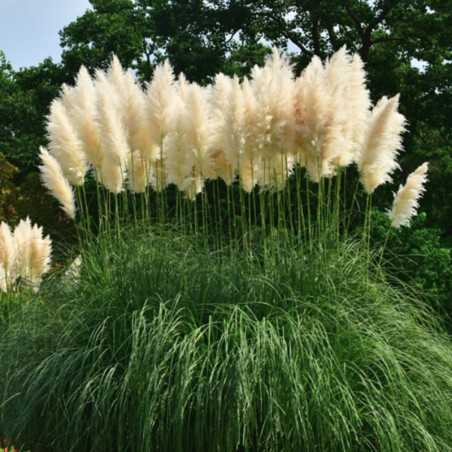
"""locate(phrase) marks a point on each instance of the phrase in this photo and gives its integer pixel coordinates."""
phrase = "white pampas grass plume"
(32, 253)
(134, 116)
(131, 107)
(116, 75)
(382, 144)
(84, 117)
(65, 145)
(40, 252)
(227, 116)
(139, 172)
(197, 131)
(178, 162)
(249, 155)
(6, 246)
(54, 180)
(336, 149)
(407, 197)
(273, 88)
(7, 255)
(22, 239)
(312, 104)
(114, 139)
(331, 114)
(358, 107)
(162, 100)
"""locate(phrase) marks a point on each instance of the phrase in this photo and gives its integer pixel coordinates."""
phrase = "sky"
(29, 28)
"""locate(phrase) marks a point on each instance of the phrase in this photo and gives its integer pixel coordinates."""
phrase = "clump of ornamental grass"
(160, 344)
(231, 312)
(269, 150)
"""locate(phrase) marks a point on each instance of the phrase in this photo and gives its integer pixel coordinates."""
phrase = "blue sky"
(29, 28)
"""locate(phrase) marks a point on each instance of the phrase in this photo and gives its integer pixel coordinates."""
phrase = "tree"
(25, 98)
(194, 35)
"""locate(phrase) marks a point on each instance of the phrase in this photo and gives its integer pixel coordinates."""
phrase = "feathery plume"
(40, 252)
(312, 103)
(114, 138)
(197, 130)
(161, 104)
(226, 110)
(85, 118)
(33, 253)
(249, 152)
(336, 145)
(54, 180)
(178, 163)
(134, 117)
(65, 144)
(116, 75)
(382, 144)
(22, 238)
(407, 197)
(139, 172)
(358, 107)
(273, 87)
(222, 132)
(6, 246)
(7, 255)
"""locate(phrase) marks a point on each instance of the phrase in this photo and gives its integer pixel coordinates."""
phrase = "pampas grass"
(226, 309)
(407, 197)
(382, 144)
(320, 120)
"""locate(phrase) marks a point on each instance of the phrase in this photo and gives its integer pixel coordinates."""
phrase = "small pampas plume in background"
(24, 255)
(53, 179)
(407, 197)
(64, 143)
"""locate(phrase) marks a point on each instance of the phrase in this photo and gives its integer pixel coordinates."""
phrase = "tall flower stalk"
(175, 152)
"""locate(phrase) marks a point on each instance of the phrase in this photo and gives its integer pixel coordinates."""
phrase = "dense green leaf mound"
(159, 344)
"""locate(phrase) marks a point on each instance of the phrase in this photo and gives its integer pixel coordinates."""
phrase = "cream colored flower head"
(406, 200)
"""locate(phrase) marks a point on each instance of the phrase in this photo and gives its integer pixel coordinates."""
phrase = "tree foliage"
(25, 98)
